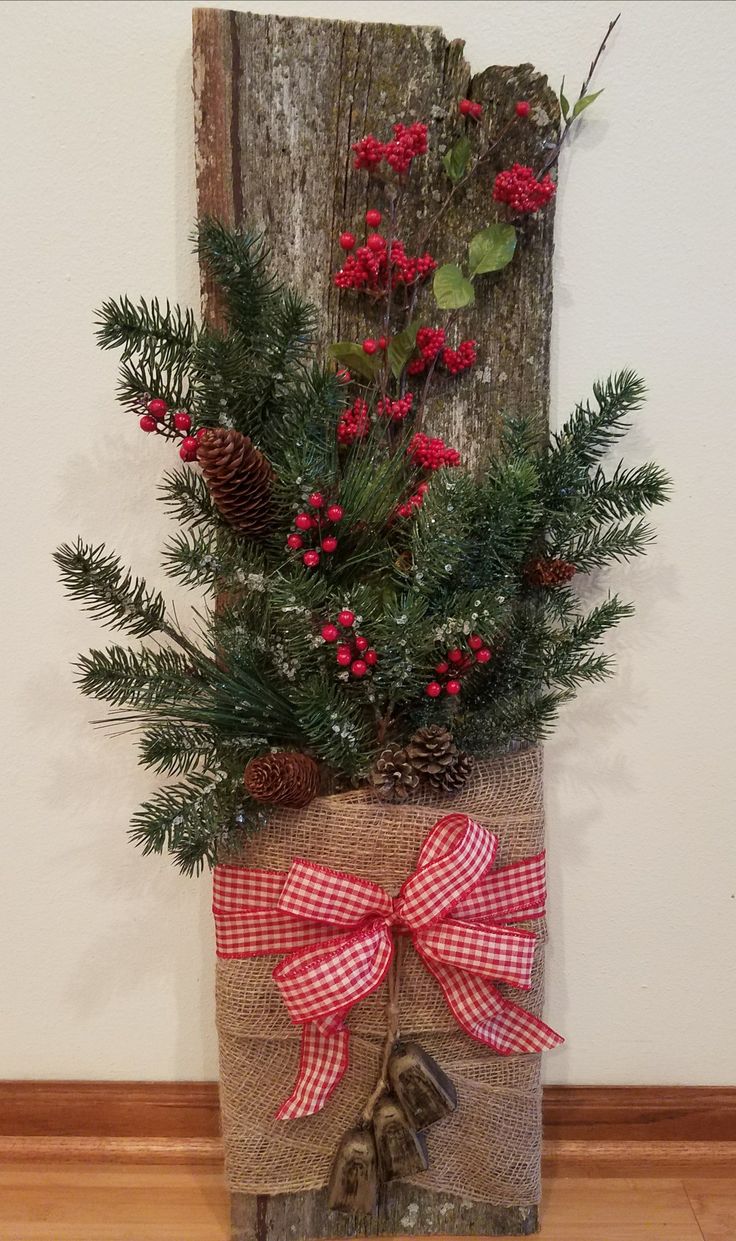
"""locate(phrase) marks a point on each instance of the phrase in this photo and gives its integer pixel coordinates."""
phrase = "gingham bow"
(453, 906)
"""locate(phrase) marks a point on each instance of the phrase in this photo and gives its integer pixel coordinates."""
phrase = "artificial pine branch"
(98, 580)
(165, 334)
(143, 678)
(238, 261)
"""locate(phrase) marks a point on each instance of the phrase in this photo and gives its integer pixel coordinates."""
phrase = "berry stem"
(554, 155)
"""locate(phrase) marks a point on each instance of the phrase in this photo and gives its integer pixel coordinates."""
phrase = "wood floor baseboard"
(590, 1129)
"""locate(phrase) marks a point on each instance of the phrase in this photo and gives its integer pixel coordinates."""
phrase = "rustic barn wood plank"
(278, 101)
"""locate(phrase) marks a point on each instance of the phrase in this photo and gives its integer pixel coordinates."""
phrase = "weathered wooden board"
(278, 101)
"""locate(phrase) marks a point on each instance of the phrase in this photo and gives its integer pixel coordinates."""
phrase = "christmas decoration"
(364, 585)
(432, 750)
(283, 779)
(239, 478)
(393, 776)
(454, 908)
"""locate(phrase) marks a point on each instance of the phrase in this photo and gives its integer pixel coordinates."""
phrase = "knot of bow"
(338, 933)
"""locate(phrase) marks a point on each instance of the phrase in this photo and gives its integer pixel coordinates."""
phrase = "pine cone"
(432, 750)
(239, 478)
(452, 779)
(549, 571)
(283, 779)
(393, 776)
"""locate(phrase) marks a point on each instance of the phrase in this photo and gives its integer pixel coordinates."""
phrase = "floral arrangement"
(378, 615)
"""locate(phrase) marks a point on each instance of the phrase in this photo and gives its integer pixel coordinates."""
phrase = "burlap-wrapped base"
(490, 1149)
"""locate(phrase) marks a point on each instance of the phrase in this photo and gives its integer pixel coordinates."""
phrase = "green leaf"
(455, 162)
(564, 105)
(451, 289)
(491, 249)
(351, 355)
(402, 347)
(585, 102)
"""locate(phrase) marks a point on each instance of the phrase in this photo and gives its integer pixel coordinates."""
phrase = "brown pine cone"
(452, 779)
(283, 779)
(239, 478)
(549, 571)
(393, 776)
(432, 750)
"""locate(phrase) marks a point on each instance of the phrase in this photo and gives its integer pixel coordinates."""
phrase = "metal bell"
(423, 1090)
(401, 1150)
(353, 1184)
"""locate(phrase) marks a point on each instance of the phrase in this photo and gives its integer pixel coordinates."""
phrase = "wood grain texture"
(79, 1202)
(278, 101)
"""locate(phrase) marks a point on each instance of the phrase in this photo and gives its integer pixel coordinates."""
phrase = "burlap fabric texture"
(490, 1149)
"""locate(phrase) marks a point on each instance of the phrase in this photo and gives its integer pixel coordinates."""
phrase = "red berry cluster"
(431, 342)
(455, 664)
(396, 410)
(549, 571)
(431, 454)
(408, 142)
(519, 189)
(460, 359)
(414, 502)
(353, 651)
(368, 269)
(469, 107)
(354, 423)
(174, 424)
(313, 524)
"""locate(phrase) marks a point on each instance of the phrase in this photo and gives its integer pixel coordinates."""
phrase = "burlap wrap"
(490, 1148)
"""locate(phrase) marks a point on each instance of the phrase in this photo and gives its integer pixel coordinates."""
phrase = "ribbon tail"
(488, 1017)
(322, 1063)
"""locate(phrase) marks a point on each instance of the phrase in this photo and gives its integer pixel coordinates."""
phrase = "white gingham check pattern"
(453, 906)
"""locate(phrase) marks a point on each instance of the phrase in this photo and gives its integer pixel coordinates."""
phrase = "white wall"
(106, 957)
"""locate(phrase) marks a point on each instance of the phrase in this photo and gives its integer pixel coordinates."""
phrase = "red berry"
(303, 521)
(452, 687)
(359, 668)
(347, 240)
(147, 424)
(188, 449)
(345, 618)
(311, 559)
(295, 541)
(157, 408)
(201, 433)
(433, 690)
(344, 376)
(316, 500)
(523, 108)
(483, 655)
(455, 656)
(334, 513)
(329, 544)
(182, 421)
(330, 632)
(344, 656)
(361, 644)
(475, 642)
(383, 342)
(373, 218)
(464, 107)
(369, 346)
(375, 242)
(442, 668)
(371, 656)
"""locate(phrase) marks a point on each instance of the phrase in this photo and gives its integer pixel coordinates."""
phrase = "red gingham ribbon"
(338, 929)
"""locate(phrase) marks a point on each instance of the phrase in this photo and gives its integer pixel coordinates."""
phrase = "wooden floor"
(64, 1201)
